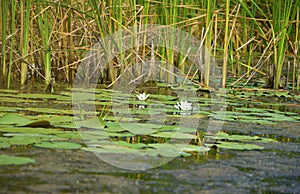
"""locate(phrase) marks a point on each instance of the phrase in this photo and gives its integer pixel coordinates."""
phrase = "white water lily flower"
(143, 96)
(184, 105)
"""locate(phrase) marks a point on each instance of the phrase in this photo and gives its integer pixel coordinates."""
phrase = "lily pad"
(15, 119)
(175, 135)
(192, 148)
(92, 123)
(236, 146)
(4, 144)
(15, 160)
(131, 145)
(58, 145)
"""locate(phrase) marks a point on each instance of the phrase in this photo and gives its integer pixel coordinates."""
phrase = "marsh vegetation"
(252, 40)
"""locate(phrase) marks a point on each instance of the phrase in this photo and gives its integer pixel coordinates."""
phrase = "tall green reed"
(12, 41)
(45, 23)
(61, 29)
(226, 41)
(281, 10)
(4, 12)
(25, 25)
(210, 7)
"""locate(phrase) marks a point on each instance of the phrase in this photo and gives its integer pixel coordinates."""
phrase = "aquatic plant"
(184, 106)
(142, 96)
(54, 35)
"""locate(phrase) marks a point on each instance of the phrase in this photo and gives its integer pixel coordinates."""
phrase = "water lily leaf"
(135, 128)
(13, 119)
(56, 119)
(114, 127)
(131, 145)
(39, 96)
(139, 129)
(58, 145)
(123, 134)
(70, 125)
(24, 139)
(223, 135)
(39, 123)
(7, 109)
(191, 148)
(9, 91)
(164, 97)
(165, 150)
(30, 130)
(176, 128)
(236, 146)
(15, 160)
(47, 110)
(175, 135)
(95, 135)
(111, 149)
(92, 123)
(4, 144)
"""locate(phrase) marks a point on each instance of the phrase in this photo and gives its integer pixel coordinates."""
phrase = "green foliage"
(54, 35)
(14, 160)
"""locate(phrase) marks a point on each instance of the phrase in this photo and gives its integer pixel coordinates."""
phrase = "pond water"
(267, 120)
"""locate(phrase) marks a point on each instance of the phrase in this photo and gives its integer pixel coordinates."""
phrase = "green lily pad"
(7, 109)
(9, 91)
(112, 149)
(15, 119)
(223, 135)
(175, 135)
(140, 129)
(236, 146)
(27, 130)
(166, 150)
(114, 127)
(39, 96)
(123, 134)
(192, 148)
(58, 145)
(4, 144)
(39, 123)
(92, 123)
(15, 160)
(28, 139)
(131, 145)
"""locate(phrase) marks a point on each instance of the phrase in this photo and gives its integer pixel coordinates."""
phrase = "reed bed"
(41, 40)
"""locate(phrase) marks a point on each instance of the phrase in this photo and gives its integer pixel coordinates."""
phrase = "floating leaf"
(58, 145)
(175, 135)
(225, 136)
(14, 160)
(236, 146)
(166, 150)
(30, 130)
(140, 129)
(92, 123)
(13, 119)
(131, 145)
(39, 96)
(39, 123)
(4, 144)
(123, 134)
(192, 148)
